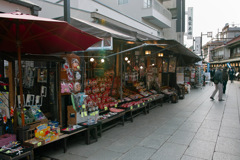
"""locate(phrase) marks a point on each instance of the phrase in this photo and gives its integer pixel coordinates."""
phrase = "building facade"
(24, 6)
(225, 48)
(150, 19)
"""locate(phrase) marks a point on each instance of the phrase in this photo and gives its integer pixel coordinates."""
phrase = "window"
(122, 2)
(147, 3)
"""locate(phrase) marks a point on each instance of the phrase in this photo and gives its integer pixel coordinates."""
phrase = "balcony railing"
(161, 9)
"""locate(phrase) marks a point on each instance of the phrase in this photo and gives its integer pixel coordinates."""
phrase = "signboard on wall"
(190, 23)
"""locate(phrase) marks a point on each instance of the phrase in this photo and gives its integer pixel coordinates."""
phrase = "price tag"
(93, 114)
(85, 114)
(143, 103)
(83, 106)
(131, 107)
(105, 108)
(115, 105)
(138, 105)
(8, 151)
(82, 115)
(39, 144)
(96, 112)
(5, 88)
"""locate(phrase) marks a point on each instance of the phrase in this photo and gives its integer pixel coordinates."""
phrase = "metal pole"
(67, 11)
(201, 46)
(121, 74)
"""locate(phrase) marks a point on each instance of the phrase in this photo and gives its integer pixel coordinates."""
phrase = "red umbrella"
(21, 33)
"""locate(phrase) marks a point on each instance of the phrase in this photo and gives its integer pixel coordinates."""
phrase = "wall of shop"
(84, 10)
(11, 7)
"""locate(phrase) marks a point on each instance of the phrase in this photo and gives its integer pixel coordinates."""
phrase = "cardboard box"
(74, 117)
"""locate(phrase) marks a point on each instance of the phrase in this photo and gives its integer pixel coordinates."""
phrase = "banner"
(190, 23)
(198, 45)
(229, 65)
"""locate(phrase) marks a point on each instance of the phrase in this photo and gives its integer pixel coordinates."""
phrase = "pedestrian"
(225, 79)
(218, 82)
(212, 73)
(231, 74)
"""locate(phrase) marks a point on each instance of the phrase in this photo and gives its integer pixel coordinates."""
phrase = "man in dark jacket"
(231, 74)
(218, 84)
(225, 79)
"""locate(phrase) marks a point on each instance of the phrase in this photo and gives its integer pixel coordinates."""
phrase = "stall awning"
(186, 55)
(97, 29)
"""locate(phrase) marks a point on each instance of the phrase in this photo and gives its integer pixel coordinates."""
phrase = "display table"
(28, 154)
(135, 111)
(63, 137)
(111, 122)
(91, 128)
(154, 102)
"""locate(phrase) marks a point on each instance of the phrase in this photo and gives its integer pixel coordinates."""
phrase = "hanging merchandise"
(77, 87)
(75, 64)
(64, 87)
(77, 76)
(70, 85)
(42, 75)
(70, 74)
(65, 65)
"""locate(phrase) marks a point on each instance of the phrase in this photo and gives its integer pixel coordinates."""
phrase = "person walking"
(231, 74)
(218, 82)
(225, 79)
(212, 73)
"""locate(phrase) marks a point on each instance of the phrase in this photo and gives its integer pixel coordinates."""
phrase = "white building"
(147, 19)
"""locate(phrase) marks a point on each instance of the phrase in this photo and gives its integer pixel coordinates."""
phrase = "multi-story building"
(223, 48)
(217, 49)
(148, 19)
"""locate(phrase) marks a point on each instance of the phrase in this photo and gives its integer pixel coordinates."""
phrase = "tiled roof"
(234, 40)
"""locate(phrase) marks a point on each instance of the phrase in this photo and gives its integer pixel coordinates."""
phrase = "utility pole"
(67, 11)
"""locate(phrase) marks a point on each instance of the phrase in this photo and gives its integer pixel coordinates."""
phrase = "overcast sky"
(212, 15)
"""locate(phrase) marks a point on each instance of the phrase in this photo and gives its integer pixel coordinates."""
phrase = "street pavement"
(195, 128)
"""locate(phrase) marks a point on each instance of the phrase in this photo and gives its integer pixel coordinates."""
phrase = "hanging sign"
(198, 45)
(190, 23)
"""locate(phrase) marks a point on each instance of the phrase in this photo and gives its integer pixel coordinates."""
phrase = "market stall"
(30, 84)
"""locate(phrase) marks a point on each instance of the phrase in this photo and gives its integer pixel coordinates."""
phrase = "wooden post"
(11, 75)
(59, 94)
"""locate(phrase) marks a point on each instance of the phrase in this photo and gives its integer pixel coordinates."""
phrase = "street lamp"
(209, 35)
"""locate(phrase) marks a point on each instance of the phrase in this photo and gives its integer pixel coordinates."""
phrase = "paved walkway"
(195, 128)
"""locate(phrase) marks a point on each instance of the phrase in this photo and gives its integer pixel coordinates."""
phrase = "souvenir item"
(77, 87)
(77, 76)
(64, 88)
(70, 74)
(70, 85)
(75, 64)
